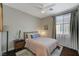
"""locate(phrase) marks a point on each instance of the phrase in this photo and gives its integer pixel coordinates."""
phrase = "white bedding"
(41, 46)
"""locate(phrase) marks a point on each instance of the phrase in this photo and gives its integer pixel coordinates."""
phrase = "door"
(1, 20)
(1, 26)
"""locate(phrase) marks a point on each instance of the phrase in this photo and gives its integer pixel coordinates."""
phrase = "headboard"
(26, 34)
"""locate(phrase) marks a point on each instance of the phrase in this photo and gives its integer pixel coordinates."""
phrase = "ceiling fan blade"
(38, 7)
(43, 6)
(50, 5)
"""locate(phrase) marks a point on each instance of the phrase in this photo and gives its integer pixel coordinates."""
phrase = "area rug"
(57, 52)
(25, 52)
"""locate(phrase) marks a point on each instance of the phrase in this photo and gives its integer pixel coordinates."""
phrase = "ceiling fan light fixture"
(50, 9)
(42, 11)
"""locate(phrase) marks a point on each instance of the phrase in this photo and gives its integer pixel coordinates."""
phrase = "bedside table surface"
(19, 44)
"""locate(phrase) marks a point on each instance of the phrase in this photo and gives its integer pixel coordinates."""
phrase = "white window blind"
(63, 29)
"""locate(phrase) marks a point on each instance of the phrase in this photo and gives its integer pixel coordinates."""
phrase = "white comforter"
(41, 46)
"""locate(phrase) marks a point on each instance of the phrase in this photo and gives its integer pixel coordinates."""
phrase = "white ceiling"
(36, 8)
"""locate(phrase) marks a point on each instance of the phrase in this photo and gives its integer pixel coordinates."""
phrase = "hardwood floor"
(10, 53)
(69, 52)
(65, 52)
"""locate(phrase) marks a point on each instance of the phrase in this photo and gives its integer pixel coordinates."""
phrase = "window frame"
(63, 23)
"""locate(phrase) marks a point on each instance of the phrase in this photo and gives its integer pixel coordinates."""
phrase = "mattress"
(41, 46)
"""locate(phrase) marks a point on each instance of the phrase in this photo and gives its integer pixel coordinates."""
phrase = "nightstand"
(19, 44)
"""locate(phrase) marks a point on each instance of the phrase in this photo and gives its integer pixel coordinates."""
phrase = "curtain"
(54, 28)
(74, 29)
(78, 32)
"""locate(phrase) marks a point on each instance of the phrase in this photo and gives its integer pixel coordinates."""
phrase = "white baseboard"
(8, 50)
(0, 53)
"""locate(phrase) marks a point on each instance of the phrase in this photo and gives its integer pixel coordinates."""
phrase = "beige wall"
(49, 22)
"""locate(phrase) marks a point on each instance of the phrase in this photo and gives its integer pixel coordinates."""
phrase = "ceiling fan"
(45, 6)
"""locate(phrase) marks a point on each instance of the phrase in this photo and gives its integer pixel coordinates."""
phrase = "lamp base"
(10, 53)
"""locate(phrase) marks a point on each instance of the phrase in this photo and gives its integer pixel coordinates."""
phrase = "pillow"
(38, 35)
(35, 36)
(29, 35)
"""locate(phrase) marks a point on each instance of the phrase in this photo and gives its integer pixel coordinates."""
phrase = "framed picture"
(45, 27)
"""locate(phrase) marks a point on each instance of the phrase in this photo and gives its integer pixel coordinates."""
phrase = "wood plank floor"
(69, 52)
(65, 52)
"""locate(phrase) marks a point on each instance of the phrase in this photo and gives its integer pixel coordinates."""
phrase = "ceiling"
(41, 10)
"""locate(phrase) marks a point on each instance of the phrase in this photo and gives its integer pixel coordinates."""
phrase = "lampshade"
(5, 28)
(42, 32)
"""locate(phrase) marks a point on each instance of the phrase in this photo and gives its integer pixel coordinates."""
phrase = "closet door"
(1, 18)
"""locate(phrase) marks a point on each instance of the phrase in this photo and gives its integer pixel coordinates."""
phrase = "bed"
(40, 46)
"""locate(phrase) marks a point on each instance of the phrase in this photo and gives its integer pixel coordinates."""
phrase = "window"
(62, 24)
